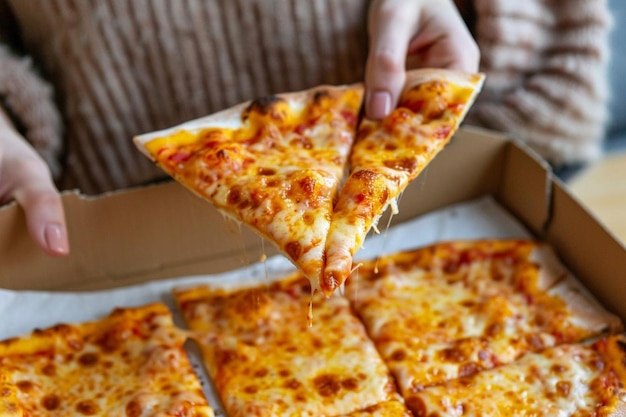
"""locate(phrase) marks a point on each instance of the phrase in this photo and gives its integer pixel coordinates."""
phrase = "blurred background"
(617, 128)
(602, 186)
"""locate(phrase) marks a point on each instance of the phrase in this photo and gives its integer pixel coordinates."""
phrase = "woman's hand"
(413, 34)
(24, 177)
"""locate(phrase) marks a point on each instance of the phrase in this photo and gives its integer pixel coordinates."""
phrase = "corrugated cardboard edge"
(126, 237)
(526, 187)
(589, 249)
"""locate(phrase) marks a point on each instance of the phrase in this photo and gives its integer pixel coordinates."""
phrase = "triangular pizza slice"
(274, 164)
(389, 154)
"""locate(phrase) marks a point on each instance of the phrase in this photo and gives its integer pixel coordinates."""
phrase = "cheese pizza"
(265, 360)
(131, 364)
(567, 380)
(486, 327)
(389, 154)
(274, 164)
(456, 308)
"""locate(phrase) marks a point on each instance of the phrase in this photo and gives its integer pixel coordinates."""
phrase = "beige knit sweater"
(123, 67)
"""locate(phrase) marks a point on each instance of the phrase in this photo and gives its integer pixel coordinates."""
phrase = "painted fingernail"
(379, 105)
(56, 239)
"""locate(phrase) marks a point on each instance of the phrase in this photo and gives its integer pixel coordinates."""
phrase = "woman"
(123, 67)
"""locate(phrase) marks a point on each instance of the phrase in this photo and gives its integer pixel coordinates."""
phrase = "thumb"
(391, 26)
(45, 220)
(41, 202)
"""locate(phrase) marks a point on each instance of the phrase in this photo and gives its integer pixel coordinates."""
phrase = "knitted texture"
(29, 100)
(546, 65)
(123, 67)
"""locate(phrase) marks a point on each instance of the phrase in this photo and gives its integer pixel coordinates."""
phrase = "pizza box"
(163, 231)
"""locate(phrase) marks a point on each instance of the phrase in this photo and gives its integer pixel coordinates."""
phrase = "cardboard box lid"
(163, 231)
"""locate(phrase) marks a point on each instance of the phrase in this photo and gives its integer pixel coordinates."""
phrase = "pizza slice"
(456, 308)
(389, 154)
(568, 380)
(265, 360)
(131, 363)
(274, 164)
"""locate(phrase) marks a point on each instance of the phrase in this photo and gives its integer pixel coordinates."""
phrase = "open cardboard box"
(164, 231)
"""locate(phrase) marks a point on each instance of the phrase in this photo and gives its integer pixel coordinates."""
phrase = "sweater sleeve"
(546, 64)
(28, 100)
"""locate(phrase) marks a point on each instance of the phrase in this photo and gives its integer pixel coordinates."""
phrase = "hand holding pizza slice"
(276, 163)
(389, 154)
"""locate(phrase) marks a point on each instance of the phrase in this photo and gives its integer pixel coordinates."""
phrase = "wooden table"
(602, 189)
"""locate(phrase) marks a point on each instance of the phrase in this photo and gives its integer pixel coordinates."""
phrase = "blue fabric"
(616, 132)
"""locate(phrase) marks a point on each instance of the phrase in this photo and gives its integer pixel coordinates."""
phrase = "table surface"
(602, 189)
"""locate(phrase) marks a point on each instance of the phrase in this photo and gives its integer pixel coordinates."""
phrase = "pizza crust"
(558, 281)
(462, 79)
(587, 312)
(231, 118)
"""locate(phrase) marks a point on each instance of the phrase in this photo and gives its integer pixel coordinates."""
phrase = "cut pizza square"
(567, 380)
(265, 360)
(130, 363)
(274, 164)
(455, 308)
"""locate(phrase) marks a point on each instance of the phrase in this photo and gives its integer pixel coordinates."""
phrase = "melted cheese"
(266, 361)
(454, 309)
(278, 172)
(129, 364)
(386, 409)
(563, 381)
(276, 163)
(387, 156)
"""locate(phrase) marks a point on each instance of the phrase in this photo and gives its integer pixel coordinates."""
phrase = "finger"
(41, 202)
(452, 48)
(466, 53)
(391, 28)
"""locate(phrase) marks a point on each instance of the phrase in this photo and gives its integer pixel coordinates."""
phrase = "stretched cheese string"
(393, 203)
(242, 245)
(234, 226)
(356, 283)
(263, 259)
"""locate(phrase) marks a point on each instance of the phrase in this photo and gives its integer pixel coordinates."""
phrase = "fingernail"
(379, 105)
(56, 239)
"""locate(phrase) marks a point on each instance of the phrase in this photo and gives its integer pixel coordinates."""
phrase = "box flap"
(126, 237)
(526, 186)
(595, 256)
